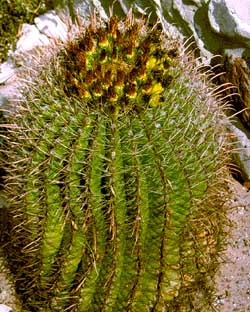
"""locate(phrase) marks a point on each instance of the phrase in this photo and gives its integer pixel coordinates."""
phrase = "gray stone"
(198, 3)
(85, 8)
(82, 8)
(7, 71)
(5, 308)
(8, 92)
(186, 13)
(3, 100)
(230, 18)
(99, 8)
(31, 38)
(242, 143)
(51, 25)
(190, 19)
(235, 53)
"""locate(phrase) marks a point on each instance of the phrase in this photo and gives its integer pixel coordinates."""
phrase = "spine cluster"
(115, 175)
(126, 70)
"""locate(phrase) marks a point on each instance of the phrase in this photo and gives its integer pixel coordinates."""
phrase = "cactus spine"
(115, 166)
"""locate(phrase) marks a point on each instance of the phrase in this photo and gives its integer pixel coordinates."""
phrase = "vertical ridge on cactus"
(115, 173)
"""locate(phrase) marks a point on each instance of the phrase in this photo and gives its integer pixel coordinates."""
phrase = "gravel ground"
(7, 293)
(233, 278)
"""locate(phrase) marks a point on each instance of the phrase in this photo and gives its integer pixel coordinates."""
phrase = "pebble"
(5, 308)
(50, 25)
(7, 71)
(242, 143)
(31, 38)
(230, 18)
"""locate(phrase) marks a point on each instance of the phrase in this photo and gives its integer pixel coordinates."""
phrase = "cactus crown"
(120, 70)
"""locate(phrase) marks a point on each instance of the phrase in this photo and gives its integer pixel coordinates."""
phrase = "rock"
(242, 144)
(198, 3)
(3, 101)
(31, 38)
(7, 71)
(8, 92)
(186, 12)
(235, 53)
(51, 25)
(4, 308)
(230, 18)
(83, 8)
(236, 70)
(122, 7)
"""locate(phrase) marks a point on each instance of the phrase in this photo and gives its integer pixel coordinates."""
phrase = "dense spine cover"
(116, 174)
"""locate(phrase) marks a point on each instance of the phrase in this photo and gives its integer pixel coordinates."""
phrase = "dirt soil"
(233, 278)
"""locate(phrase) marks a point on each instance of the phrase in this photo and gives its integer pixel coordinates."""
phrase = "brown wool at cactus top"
(122, 61)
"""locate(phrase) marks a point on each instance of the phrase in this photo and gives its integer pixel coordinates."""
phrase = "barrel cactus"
(115, 163)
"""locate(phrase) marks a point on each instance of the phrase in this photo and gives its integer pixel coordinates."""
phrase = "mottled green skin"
(116, 207)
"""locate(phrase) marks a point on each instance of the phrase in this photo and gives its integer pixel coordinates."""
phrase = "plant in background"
(13, 13)
(115, 164)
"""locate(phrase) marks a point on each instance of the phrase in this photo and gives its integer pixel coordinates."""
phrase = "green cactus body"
(115, 173)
